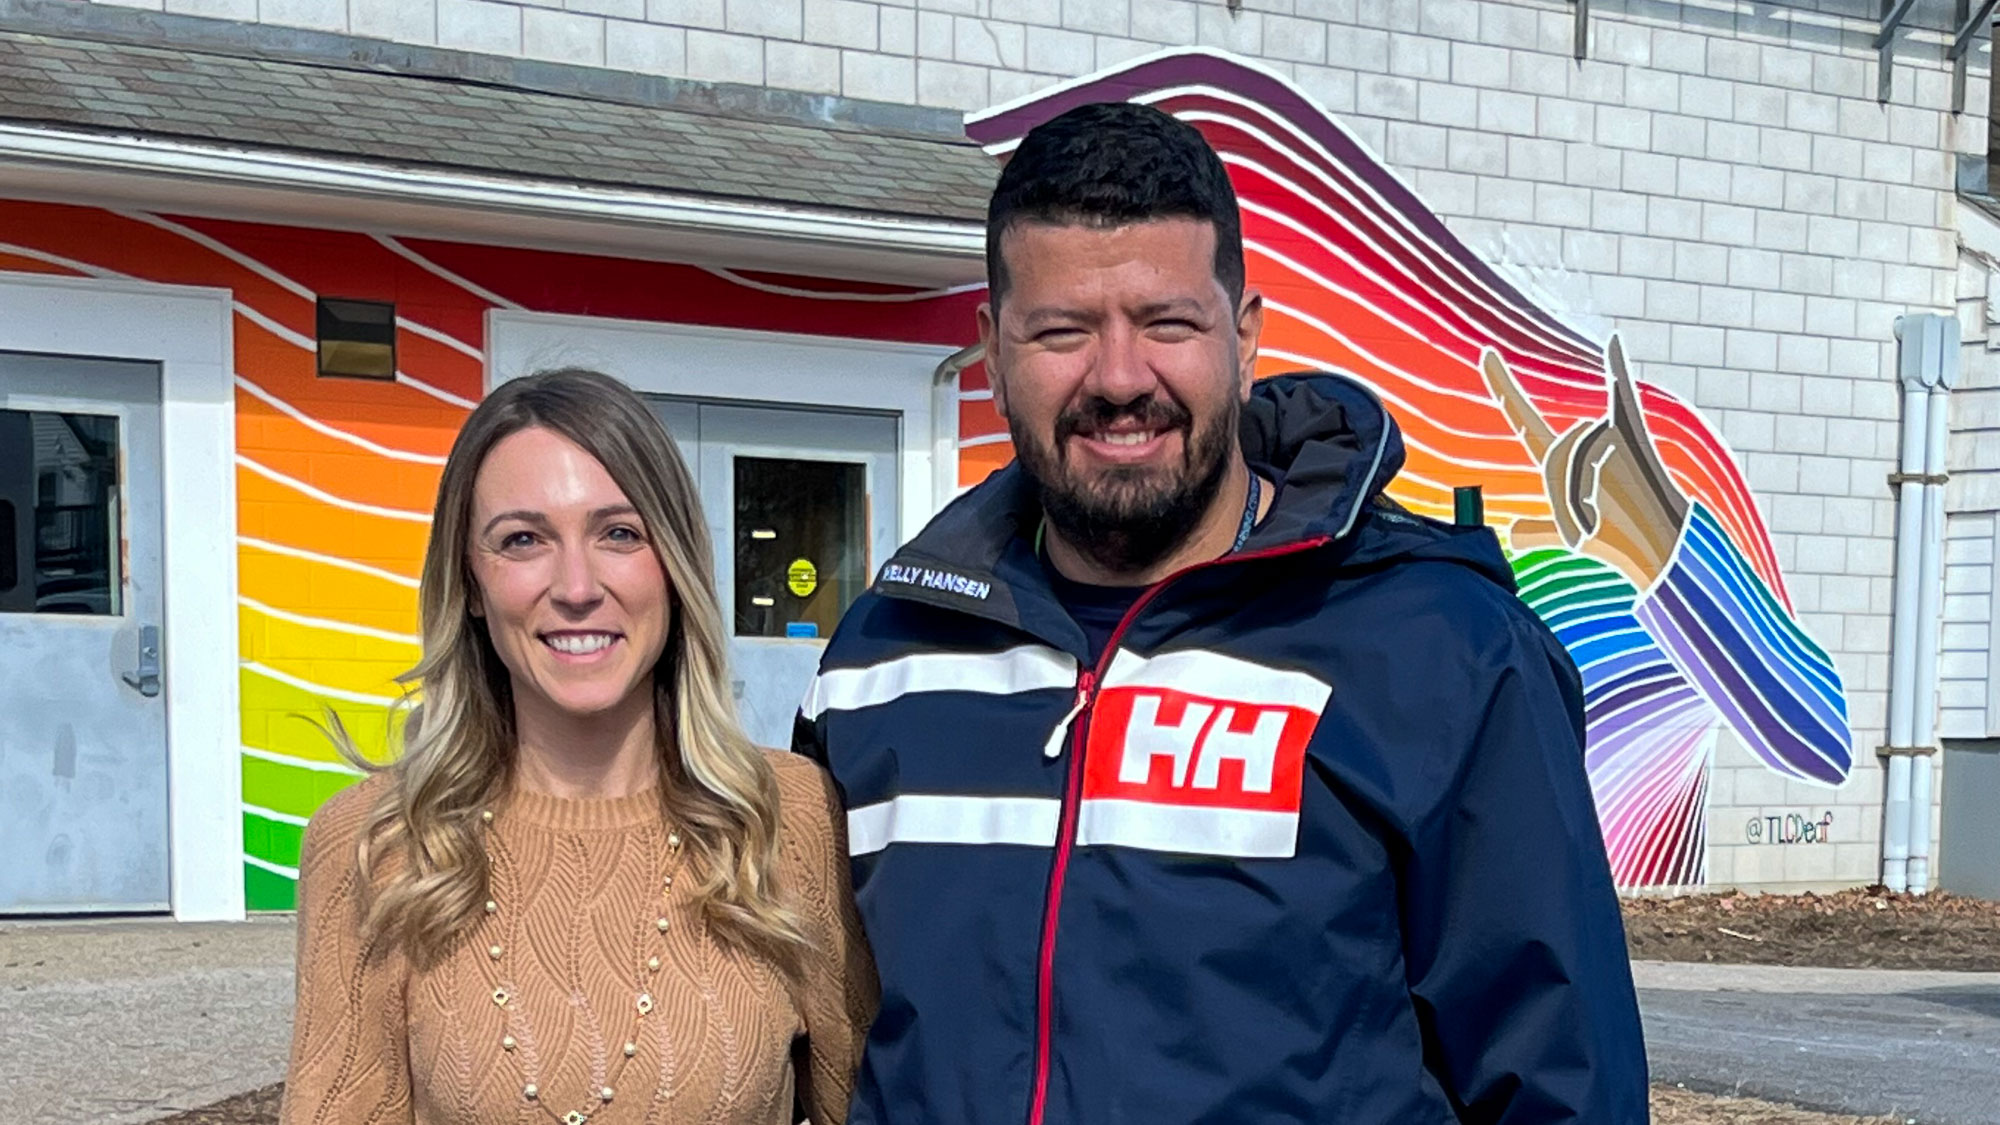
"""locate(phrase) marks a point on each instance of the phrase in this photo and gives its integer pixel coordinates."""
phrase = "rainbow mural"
(1632, 530)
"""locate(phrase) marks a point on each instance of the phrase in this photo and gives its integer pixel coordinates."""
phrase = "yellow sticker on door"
(802, 577)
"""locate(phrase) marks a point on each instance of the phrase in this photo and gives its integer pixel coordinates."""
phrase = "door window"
(801, 506)
(59, 513)
(801, 537)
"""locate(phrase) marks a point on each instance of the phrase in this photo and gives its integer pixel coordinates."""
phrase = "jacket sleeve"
(808, 727)
(1513, 943)
(350, 1029)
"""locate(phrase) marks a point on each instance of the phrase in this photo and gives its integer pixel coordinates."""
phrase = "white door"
(83, 743)
(802, 506)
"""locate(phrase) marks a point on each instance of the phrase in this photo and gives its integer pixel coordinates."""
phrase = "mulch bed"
(1863, 928)
(1674, 1106)
(1671, 1106)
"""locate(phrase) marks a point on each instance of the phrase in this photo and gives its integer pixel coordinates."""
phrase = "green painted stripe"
(263, 890)
(272, 841)
(1525, 566)
(1558, 586)
(1572, 570)
(1555, 581)
(1604, 596)
(289, 789)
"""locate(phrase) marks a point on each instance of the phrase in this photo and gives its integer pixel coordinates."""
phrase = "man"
(1189, 779)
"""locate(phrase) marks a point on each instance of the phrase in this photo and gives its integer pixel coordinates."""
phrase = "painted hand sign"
(1631, 529)
(1609, 495)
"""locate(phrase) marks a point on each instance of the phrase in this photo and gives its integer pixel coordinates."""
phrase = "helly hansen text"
(936, 580)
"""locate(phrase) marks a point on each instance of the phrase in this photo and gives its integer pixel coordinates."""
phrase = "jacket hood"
(1325, 438)
(1335, 448)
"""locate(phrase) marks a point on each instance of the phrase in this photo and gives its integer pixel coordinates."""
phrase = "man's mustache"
(1099, 414)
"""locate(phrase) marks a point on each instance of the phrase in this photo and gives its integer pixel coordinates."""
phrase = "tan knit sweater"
(546, 988)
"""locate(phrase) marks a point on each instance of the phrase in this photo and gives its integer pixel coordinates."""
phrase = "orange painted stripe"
(286, 445)
(977, 462)
(270, 511)
(386, 413)
(977, 418)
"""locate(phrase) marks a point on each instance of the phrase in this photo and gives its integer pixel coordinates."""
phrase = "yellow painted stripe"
(321, 590)
(333, 625)
(279, 718)
(340, 662)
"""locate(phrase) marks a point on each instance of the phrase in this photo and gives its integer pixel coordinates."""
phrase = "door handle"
(145, 679)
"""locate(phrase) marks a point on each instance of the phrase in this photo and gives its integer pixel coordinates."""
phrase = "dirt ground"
(1673, 1106)
(1863, 928)
(1670, 1107)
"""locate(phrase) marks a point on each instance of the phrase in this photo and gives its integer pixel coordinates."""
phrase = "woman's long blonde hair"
(421, 854)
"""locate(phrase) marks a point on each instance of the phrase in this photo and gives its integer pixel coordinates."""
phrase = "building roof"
(414, 121)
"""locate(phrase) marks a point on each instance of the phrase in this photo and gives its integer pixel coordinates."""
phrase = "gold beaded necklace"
(504, 993)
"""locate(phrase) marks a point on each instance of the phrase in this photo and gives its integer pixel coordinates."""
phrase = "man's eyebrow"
(1047, 314)
(1173, 306)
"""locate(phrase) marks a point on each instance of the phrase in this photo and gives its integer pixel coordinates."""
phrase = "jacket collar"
(1325, 438)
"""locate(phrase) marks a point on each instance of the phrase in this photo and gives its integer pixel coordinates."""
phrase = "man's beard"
(1125, 519)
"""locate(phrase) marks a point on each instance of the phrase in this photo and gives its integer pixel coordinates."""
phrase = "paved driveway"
(116, 1022)
(1924, 1046)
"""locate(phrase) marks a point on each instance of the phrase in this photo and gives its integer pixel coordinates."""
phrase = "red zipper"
(1087, 682)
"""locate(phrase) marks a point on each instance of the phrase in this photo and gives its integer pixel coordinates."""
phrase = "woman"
(579, 894)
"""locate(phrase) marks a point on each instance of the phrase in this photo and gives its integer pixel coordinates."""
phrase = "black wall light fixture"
(357, 339)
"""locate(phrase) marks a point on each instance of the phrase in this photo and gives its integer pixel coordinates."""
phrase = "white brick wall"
(1722, 187)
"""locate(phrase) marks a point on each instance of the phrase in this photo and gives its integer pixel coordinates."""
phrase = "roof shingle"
(405, 119)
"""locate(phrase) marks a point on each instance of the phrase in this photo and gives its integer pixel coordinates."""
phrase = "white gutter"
(1903, 647)
(1930, 601)
(324, 175)
(1928, 369)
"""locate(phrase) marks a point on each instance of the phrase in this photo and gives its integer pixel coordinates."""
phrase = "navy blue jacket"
(1312, 842)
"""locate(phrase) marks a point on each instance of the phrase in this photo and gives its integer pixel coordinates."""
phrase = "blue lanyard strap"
(1249, 514)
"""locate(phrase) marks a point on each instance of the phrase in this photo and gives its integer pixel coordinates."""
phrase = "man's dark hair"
(1111, 165)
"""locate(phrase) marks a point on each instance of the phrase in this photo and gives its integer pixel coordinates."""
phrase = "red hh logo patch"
(1199, 753)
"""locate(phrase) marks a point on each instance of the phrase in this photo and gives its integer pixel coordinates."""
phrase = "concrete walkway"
(113, 1022)
(109, 1023)
(1923, 1046)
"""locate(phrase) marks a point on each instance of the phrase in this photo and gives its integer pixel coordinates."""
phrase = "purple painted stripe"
(1773, 681)
(1609, 726)
(1698, 578)
(1702, 662)
(1616, 692)
(1203, 69)
(1645, 728)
